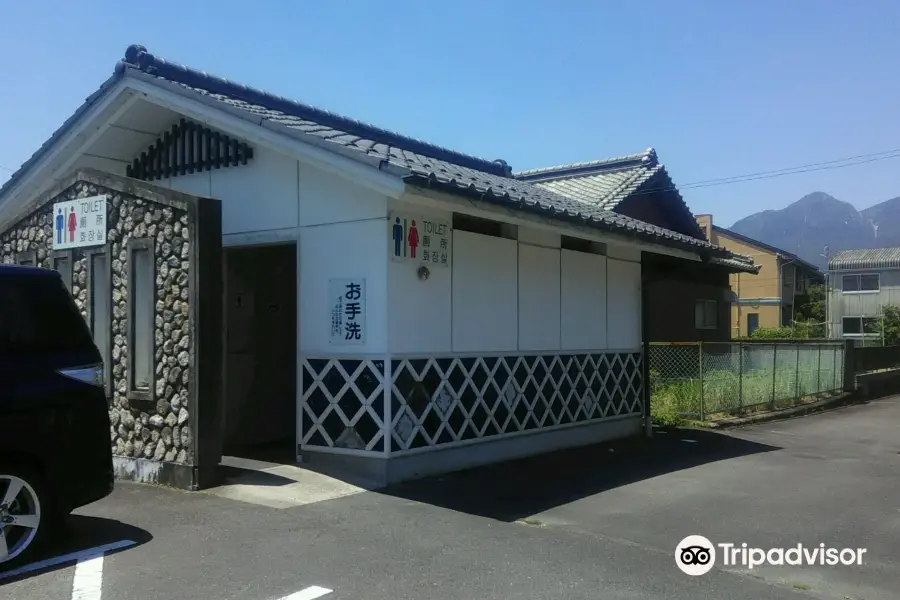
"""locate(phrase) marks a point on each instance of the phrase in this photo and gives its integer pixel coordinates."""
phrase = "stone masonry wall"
(162, 431)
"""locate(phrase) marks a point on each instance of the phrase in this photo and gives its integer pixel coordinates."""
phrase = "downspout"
(645, 342)
(781, 267)
(779, 261)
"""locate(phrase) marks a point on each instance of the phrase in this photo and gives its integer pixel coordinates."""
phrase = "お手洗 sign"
(420, 239)
(79, 223)
(347, 303)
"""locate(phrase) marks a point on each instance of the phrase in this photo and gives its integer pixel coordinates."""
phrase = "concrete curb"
(844, 399)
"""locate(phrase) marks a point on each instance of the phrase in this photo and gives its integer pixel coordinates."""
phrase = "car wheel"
(25, 507)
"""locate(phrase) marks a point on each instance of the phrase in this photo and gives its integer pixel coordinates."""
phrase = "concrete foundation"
(380, 471)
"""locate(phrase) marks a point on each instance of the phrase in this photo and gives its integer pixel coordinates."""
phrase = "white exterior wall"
(485, 293)
(340, 227)
(419, 312)
(342, 233)
(540, 295)
(584, 315)
(502, 295)
(498, 295)
(623, 308)
(259, 196)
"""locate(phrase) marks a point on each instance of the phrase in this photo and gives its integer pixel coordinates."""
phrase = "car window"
(38, 316)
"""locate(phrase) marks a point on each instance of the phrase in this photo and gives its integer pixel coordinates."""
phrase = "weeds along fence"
(699, 379)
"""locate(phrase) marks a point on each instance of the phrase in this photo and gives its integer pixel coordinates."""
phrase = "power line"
(862, 158)
(7, 169)
(840, 163)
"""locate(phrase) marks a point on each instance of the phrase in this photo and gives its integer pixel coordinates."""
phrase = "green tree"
(813, 306)
(890, 325)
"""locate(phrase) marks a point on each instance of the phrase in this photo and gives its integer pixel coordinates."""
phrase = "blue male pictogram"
(398, 236)
(60, 225)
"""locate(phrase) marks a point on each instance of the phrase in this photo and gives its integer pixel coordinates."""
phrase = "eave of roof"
(860, 259)
(737, 264)
(61, 131)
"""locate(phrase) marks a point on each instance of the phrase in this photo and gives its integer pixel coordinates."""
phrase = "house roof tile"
(605, 183)
(874, 258)
(609, 182)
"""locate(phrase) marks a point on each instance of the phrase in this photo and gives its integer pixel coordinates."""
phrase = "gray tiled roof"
(604, 183)
(609, 182)
(875, 258)
(415, 161)
(738, 262)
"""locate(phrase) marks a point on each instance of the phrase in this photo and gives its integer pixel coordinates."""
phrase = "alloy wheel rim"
(20, 516)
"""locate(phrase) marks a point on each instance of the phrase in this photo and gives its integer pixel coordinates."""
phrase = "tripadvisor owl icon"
(695, 555)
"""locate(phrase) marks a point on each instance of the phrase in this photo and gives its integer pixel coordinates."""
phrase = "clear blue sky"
(718, 88)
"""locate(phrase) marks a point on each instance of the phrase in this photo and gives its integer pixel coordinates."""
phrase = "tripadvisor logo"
(696, 555)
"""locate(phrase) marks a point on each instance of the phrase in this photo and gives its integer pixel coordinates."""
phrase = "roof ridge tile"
(140, 58)
(647, 157)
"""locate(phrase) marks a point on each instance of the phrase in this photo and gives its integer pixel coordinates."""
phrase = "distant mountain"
(885, 221)
(818, 220)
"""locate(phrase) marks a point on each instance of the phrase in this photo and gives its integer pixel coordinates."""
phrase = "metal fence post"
(819, 372)
(834, 369)
(740, 376)
(700, 356)
(797, 376)
(774, 372)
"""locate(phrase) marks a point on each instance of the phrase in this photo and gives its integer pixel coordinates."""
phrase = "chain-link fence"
(701, 379)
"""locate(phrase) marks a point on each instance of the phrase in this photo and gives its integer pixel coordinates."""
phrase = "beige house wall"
(760, 293)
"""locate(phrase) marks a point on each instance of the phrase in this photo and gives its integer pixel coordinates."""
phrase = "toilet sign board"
(79, 223)
(420, 239)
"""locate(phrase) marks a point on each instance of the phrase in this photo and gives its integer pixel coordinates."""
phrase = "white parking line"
(88, 582)
(310, 593)
(71, 557)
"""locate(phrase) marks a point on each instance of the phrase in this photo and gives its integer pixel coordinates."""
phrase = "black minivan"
(55, 453)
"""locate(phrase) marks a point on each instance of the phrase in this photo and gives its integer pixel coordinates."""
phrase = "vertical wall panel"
(624, 305)
(485, 293)
(539, 298)
(583, 303)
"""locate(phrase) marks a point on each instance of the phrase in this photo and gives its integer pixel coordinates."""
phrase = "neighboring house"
(770, 297)
(686, 301)
(860, 283)
(259, 271)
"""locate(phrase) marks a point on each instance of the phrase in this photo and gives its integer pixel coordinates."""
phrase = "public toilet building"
(259, 272)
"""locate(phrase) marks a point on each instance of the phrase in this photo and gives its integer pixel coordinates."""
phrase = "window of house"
(798, 283)
(860, 325)
(141, 305)
(706, 314)
(99, 308)
(852, 325)
(580, 245)
(62, 264)
(484, 226)
(869, 282)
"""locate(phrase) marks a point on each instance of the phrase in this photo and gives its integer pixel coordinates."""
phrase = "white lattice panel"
(438, 401)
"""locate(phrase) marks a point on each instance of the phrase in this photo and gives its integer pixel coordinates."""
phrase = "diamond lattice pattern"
(438, 401)
(343, 404)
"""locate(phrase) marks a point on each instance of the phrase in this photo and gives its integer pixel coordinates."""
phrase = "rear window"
(38, 316)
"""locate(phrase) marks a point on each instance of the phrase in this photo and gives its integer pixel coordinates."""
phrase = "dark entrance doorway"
(260, 382)
(752, 323)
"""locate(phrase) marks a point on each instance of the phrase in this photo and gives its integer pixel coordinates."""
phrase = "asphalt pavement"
(598, 522)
